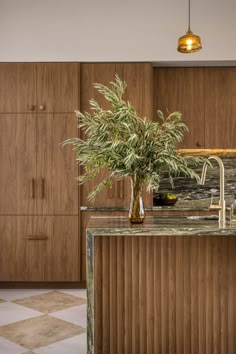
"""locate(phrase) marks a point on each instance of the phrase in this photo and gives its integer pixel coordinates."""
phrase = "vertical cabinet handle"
(32, 188)
(42, 183)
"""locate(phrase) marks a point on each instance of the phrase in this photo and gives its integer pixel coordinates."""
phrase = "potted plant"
(130, 146)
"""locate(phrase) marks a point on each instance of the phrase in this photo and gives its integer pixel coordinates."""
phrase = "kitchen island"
(166, 286)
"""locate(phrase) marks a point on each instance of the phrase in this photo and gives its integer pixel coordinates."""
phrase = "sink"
(203, 217)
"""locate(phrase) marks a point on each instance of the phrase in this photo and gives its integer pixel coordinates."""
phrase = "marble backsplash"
(188, 190)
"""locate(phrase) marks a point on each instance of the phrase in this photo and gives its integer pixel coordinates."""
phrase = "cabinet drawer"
(39, 248)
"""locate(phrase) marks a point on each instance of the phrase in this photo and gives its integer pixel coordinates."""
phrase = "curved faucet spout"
(222, 187)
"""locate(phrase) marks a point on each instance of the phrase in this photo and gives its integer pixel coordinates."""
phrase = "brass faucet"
(221, 205)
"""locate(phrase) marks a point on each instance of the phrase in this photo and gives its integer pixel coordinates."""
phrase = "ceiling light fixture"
(190, 42)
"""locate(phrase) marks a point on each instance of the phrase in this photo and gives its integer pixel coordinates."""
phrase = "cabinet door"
(182, 89)
(13, 230)
(58, 87)
(139, 92)
(24, 249)
(18, 164)
(65, 248)
(56, 166)
(39, 248)
(220, 107)
(17, 87)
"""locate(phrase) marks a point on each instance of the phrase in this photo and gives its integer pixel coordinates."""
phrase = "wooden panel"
(38, 248)
(56, 166)
(220, 107)
(165, 294)
(58, 87)
(18, 164)
(17, 87)
(182, 89)
(139, 91)
(84, 219)
(13, 253)
(65, 248)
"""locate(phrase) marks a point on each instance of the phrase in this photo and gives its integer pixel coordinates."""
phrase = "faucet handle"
(215, 207)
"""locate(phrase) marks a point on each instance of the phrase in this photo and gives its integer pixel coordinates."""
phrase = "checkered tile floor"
(43, 321)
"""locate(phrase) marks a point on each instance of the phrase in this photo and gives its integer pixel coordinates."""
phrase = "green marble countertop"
(181, 207)
(157, 225)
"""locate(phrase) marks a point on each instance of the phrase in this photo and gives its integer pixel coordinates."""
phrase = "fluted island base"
(152, 293)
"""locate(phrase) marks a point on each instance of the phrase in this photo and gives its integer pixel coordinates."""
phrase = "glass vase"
(136, 210)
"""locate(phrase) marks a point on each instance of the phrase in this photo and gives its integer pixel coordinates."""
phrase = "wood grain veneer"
(18, 164)
(53, 254)
(182, 89)
(56, 166)
(220, 107)
(58, 87)
(165, 295)
(17, 87)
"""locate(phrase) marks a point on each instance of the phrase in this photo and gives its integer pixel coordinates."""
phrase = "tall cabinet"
(39, 210)
(139, 79)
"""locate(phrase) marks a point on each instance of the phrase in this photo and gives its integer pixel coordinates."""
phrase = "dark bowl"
(159, 200)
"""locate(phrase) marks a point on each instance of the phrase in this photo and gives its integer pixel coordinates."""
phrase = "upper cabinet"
(206, 98)
(182, 89)
(220, 107)
(58, 87)
(39, 87)
(139, 79)
(17, 87)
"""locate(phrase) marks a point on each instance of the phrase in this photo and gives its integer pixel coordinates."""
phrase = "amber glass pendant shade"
(189, 43)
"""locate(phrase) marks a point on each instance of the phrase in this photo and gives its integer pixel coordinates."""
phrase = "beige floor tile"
(29, 353)
(2, 300)
(40, 331)
(50, 302)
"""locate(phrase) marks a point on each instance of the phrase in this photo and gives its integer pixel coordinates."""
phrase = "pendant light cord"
(189, 16)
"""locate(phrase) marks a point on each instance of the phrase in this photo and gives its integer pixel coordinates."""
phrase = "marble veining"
(187, 189)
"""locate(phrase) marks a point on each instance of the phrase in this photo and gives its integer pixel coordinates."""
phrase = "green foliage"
(127, 145)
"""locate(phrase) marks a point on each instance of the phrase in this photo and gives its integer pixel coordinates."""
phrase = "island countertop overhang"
(156, 226)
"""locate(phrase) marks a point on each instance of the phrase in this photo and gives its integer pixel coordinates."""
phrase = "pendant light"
(190, 42)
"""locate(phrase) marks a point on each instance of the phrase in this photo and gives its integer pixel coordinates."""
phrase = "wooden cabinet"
(37, 176)
(17, 87)
(138, 77)
(220, 107)
(18, 164)
(39, 206)
(57, 186)
(39, 248)
(58, 87)
(182, 89)
(206, 97)
(39, 87)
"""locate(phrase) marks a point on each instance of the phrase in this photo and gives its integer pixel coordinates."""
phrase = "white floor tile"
(11, 294)
(76, 315)
(7, 347)
(11, 312)
(74, 345)
(76, 292)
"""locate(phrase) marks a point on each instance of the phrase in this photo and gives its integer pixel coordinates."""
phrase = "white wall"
(108, 30)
